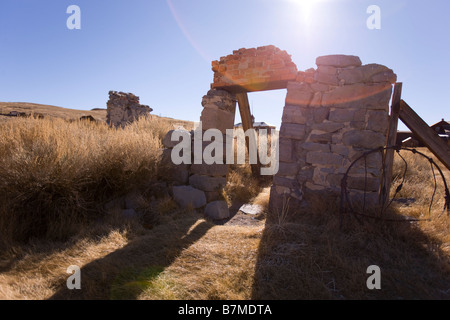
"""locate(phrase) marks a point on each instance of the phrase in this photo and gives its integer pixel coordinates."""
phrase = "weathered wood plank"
(391, 140)
(247, 123)
(425, 134)
(244, 109)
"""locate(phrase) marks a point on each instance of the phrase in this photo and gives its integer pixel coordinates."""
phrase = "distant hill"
(68, 114)
(50, 111)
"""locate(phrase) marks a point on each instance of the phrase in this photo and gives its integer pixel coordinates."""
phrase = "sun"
(305, 8)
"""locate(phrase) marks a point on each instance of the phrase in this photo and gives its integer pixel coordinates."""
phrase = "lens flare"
(185, 31)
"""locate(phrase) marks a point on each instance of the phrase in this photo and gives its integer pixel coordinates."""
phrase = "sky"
(161, 50)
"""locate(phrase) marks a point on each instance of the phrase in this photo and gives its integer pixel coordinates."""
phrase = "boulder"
(210, 170)
(217, 210)
(207, 183)
(187, 195)
(251, 209)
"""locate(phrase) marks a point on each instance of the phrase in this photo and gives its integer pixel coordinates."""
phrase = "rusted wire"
(345, 198)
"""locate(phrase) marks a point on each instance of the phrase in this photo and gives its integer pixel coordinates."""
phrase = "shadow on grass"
(127, 272)
(310, 257)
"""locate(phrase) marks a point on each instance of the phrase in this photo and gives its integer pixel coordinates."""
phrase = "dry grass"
(54, 173)
(313, 258)
(184, 256)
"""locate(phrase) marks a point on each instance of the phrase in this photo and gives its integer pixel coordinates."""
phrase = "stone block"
(339, 61)
(210, 170)
(341, 115)
(327, 70)
(305, 174)
(364, 139)
(312, 146)
(319, 137)
(323, 158)
(217, 119)
(295, 114)
(321, 114)
(207, 183)
(217, 210)
(328, 126)
(293, 131)
(340, 149)
(378, 121)
(367, 73)
(358, 95)
(329, 79)
(299, 94)
(285, 150)
(288, 169)
(290, 183)
(186, 196)
(320, 87)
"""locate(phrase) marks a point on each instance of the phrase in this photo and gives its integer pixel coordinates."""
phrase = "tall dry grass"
(57, 172)
(315, 258)
(54, 174)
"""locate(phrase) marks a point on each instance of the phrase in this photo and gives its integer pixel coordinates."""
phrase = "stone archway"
(332, 115)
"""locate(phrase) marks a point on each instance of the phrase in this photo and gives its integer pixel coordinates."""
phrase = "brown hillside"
(67, 114)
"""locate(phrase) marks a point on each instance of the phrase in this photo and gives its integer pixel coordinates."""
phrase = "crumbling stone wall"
(333, 114)
(200, 184)
(124, 108)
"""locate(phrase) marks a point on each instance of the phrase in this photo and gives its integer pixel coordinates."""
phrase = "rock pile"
(124, 108)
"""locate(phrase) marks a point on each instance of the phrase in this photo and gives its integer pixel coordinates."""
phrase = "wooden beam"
(391, 141)
(424, 133)
(254, 87)
(247, 123)
(244, 109)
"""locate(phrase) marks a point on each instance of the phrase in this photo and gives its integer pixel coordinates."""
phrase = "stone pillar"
(219, 108)
(332, 116)
(124, 108)
(206, 181)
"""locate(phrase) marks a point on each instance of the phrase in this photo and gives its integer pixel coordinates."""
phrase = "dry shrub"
(54, 173)
(419, 181)
(241, 186)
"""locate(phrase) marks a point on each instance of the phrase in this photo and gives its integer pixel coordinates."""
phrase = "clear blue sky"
(161, 50)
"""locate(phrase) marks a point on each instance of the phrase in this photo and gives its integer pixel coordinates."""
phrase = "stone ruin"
(332, 115)
(124, 108)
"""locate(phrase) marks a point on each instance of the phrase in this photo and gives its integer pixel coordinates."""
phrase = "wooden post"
(424, 133)
(247, 123)
(244, 109)
(391, 141)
